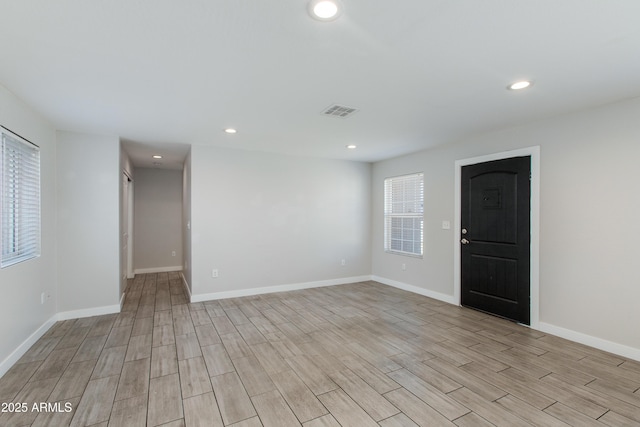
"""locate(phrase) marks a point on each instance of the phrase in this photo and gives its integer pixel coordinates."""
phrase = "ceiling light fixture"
(352, 146)
(230, 130)
(325, 10)
(157, 156)
(523, 84)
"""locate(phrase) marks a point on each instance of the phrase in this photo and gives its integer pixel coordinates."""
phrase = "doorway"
(494, 269)
(495, 221)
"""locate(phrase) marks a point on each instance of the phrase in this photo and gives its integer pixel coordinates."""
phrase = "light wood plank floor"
(354, 355)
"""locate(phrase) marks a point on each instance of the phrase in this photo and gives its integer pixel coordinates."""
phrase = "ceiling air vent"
(340, 111)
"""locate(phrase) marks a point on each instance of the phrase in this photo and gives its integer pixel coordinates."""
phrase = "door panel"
(491, 195)
(496, 237)
(492, 276)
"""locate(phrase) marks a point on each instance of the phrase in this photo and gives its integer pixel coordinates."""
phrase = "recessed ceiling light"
(157, 156)
(352, 146)
(325, 10)
(523, 84)
(230, 130)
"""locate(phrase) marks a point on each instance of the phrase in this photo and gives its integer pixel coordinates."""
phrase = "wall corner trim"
(416, 290)
(591, 341)
(186, 286)
(277, 288)
(11, 360)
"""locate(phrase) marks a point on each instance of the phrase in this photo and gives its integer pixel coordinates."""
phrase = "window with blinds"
(404, 214)
(19, 199)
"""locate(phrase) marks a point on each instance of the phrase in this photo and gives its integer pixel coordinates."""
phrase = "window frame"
(404, 205)
(20, 199)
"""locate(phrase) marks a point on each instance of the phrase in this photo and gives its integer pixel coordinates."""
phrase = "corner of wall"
(16, 354)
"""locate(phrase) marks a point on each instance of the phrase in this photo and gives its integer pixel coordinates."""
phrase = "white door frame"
(534, 152)
(129, 214)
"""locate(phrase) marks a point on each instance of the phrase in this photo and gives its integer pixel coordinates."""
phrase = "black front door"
(495, 239)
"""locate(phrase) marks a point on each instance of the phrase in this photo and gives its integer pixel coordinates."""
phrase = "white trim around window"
(404, 215)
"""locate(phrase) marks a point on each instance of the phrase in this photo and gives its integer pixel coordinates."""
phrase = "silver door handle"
(465, 241)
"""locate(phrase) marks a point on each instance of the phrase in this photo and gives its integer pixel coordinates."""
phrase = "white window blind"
(19, 199)
(404, 214)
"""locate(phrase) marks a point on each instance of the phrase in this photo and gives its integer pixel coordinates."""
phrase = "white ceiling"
(166, 73)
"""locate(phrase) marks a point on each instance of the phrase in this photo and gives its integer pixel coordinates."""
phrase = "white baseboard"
(10, 360)
(157, 269)
(591, 341)
(278, 288)
(415, 289)
(88, 312)
(186, 286)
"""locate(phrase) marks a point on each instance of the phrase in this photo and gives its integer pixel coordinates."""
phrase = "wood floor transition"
(356, 355)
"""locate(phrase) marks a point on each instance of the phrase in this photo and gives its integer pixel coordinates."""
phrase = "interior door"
(495, 239)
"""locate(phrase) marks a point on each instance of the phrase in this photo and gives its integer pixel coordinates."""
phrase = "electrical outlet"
(214, 273)
(173, 253)
(404, 267)
(344, 261)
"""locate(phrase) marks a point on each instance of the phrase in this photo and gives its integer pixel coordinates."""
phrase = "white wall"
(268, 220)
(88, 223)
(21, 313)
(157, 220)
(590, 207)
